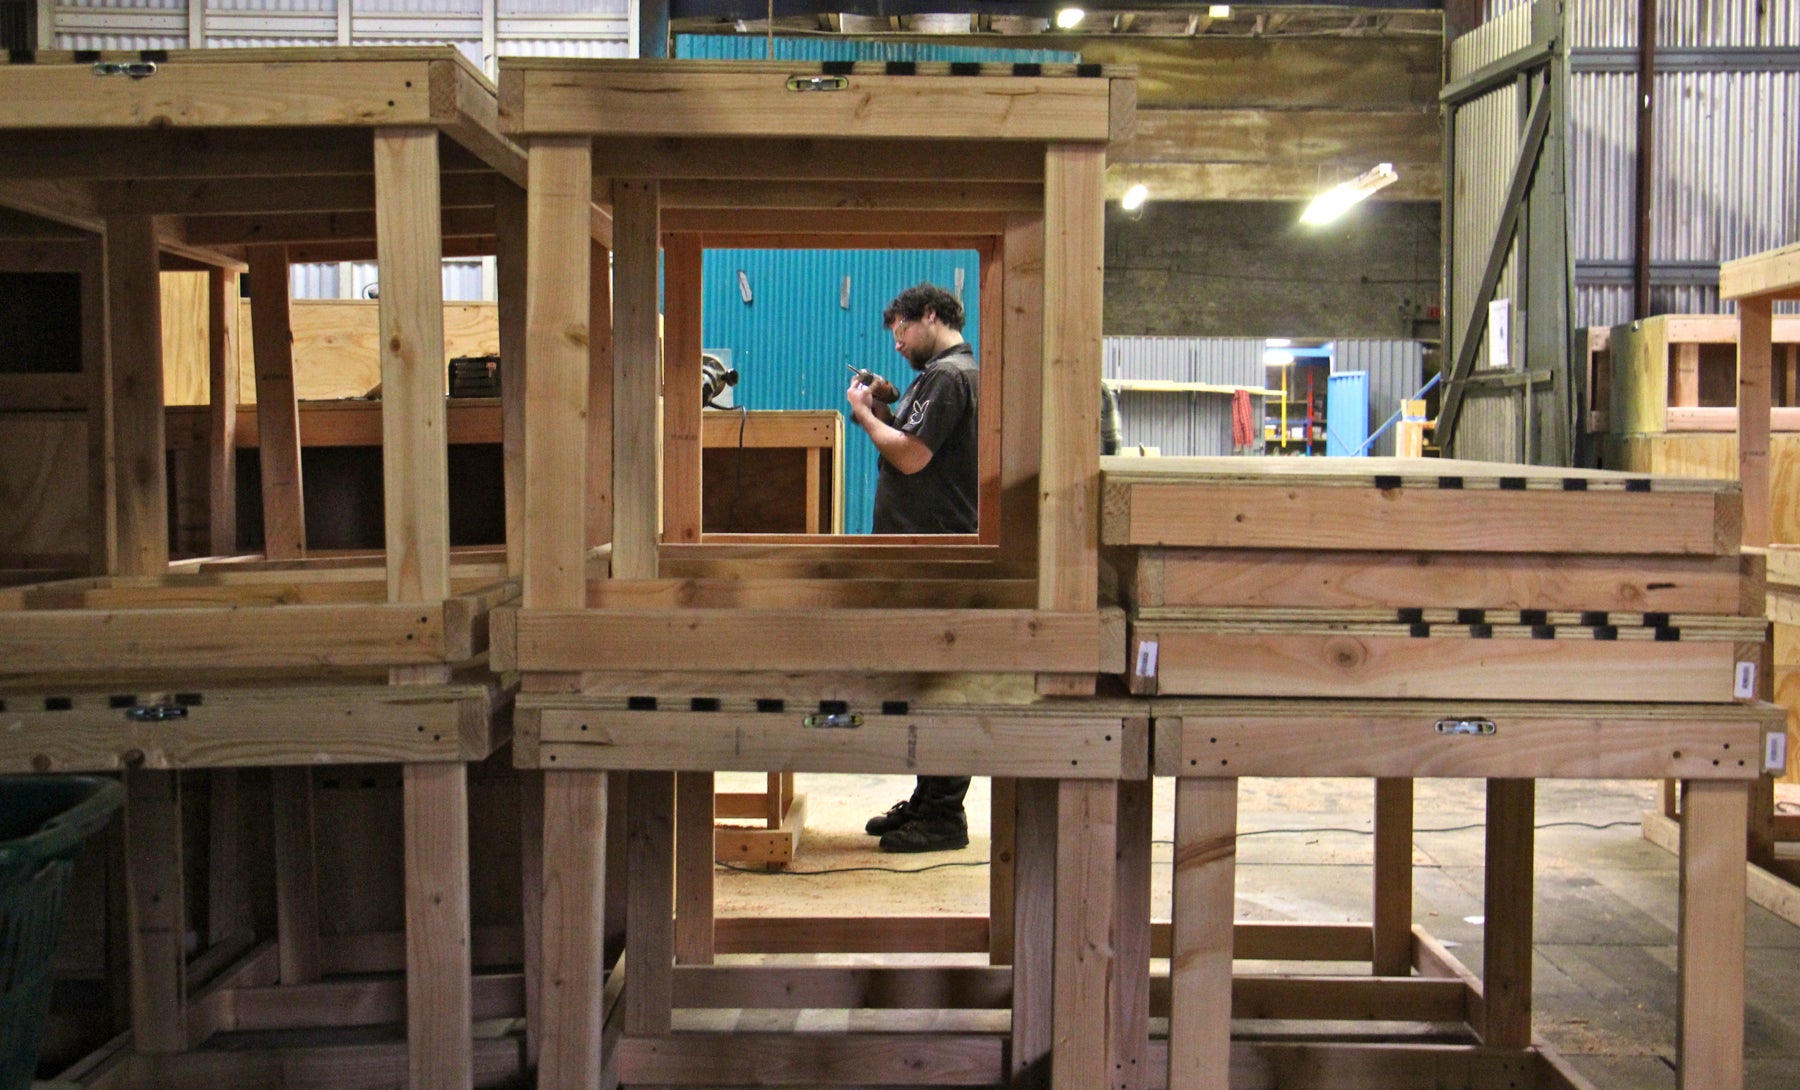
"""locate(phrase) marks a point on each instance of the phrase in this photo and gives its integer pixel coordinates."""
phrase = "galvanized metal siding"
(1488, 132)
(745, 47)
(792, 343)
(1612, 24)
(1184, 424)
(1396, 370)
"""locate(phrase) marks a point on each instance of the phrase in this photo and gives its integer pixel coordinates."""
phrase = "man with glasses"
(927, 483)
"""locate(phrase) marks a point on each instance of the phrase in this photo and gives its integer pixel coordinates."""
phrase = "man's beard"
(920, 359)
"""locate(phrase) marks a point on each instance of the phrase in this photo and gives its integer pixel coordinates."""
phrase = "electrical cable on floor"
(850, 870)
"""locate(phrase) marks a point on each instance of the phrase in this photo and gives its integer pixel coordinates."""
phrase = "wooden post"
(618, 866)
(1021, 397)
(1755, 331)
(1131, 943)
(649, 937)
(990, 396)
(96, 364)
(134, 337)
(575, 888)
(682, 261)
(277, 413)
(1069, 512)
(296, 875)
(1393, 877)
(556, 385)
(1506, 949)
(1709, 1025)
(1086, 840)
(694, 867)
(1003, 809)
(439, 1003)
(511, 218)
(1034, 931)
(599, 398)
(416, 475)
(156, 913)
(227, 912)
(636, 474)
(222, 382)
(1204, 904)
(531, 905)
(1684, 378)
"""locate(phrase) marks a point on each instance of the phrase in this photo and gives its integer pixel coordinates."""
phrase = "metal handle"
(155, 713)
(838, 721)
(134, 69)
(1466, 726)
(817, 83)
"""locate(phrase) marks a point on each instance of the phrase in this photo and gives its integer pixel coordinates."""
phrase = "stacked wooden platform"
(1396, 619)
(118, 167)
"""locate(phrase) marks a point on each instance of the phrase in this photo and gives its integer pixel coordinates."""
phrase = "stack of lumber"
(1401, 579)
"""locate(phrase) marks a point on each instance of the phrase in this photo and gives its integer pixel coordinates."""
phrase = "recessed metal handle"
(837, 721)
(1466, 726)
(817, 83)
(134, 69)
(155, 713)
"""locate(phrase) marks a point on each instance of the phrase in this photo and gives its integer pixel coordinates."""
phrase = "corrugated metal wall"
(1488, 137)
(1396, 370)
(792, 342)
(1184, 424)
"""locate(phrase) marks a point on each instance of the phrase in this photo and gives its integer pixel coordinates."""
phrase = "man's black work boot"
(929, 833)
(897, 815)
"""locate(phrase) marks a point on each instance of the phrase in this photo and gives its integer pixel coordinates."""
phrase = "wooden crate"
(1678, 373)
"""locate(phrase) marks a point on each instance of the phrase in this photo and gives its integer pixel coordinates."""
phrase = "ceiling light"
(1069, 18)
(1277, 358)
(1135, 197)
(1218, 11)
(1278, 342)
(1337, 200)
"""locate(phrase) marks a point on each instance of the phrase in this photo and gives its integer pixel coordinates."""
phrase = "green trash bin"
(43, 822)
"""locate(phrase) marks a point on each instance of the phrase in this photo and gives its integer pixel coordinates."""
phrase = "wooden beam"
(575, 890)
(808, 160)
(598, 525)
(1021, 398)
(511, 221)
(557, 350)
(531, 909)
(1755, 356)
(1507, 930)
(1204, 893)
(1085, 971)
(222, 385)
(694, 856)
(755, 100)
(439, 1006)
(157, 913)
(939, 1059)
(323, 227)
(881, 196)
(415, 467)
(650, 810)
(1772, 273)
(1341, 139)
(1709, 1017)
(296, 874)
(1393, 892)
(1034, 926)
(681, 425)
(134, 344)
(1419, 181)
(941, 230)
(637, 362)
(1131, 936)
(277, 412)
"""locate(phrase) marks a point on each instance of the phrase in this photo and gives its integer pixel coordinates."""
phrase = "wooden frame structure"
(690, 155)
(1390, 618)
(225, 160)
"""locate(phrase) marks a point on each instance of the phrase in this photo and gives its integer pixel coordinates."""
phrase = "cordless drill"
(881, 388)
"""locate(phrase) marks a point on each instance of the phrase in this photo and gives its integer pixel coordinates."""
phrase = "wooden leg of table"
(1507, 933)
(1002, 808)
(439, 988)
(1034, 930)
(1131, 938)
(618, 865)
(1086, 839)
(1669, 795)
(694, 865)
(156, 915)
(531, 906)
(1204, 905)
(1393, 877)
(649, 931)
(296, 875)
(1709, 1029)
(575, 839)
(227, 914)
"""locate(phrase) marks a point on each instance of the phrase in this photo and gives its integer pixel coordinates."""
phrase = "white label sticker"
(1745, 689)
(1146, 659)
(1775, 751)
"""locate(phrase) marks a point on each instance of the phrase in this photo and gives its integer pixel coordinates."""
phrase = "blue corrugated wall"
(791, 343)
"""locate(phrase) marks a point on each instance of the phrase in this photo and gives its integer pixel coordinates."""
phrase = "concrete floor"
(1604, 978)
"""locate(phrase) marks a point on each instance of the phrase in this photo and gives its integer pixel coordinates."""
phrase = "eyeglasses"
(901, 325)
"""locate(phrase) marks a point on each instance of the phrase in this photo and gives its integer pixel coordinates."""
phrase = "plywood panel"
(337, 344)
(43, 505)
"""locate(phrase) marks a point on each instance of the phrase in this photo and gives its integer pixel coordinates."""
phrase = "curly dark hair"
(911, 305)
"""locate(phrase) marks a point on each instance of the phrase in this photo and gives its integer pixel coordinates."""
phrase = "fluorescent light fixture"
(1135, 197)
(1278, 342)
(1337, 200)
(1218, 11)
(1069, 18)
(1277, 358)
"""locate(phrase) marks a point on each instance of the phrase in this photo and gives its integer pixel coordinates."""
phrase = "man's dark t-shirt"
(938, 409)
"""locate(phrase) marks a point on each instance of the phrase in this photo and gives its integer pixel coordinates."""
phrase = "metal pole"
(1646, 112)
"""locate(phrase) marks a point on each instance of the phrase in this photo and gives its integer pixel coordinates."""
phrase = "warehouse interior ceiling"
(1323, 18)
